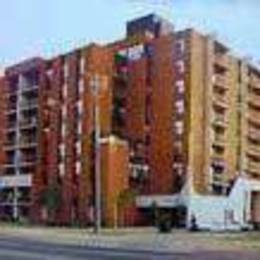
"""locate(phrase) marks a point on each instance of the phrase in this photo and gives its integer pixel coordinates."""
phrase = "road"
(12, 248)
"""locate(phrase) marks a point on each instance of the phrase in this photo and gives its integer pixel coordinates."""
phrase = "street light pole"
(95, 84)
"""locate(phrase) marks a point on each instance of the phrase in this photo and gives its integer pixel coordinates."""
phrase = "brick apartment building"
(178, 116)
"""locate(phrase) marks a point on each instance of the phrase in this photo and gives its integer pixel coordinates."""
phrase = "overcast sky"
(48, 27)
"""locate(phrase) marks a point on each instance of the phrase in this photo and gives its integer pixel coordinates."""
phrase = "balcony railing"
(254, 81)
(11, 108)
(28, 105)
(26, 163)
(28, 88)
(217, 178)
(28, 122)
(254, 101)
(219, 121)
(25, 143)
(253, 167)
(253, 116)
(253, 150)
(220, 100)
(11, 93)
(24, 180)
(9, 164)
(254, 134)
(139, 170)
(219, 140)
(218, 159)
(220, 81)
(222, 60)
(24, 124)
(11, 124)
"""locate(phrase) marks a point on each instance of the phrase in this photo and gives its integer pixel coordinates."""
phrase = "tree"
(155, 213)
(51, 200)
(124, 198)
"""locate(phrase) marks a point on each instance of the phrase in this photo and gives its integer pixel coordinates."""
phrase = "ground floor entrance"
(152, 215)
(255, 209)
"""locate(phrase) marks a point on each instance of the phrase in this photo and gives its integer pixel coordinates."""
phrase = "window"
(66, 70)
(179, 127)
(82, 65)
(49, 73)
(62, 150)
(63, 130)
(81, 86)
(64, 111)
(78, 148)
(178, 168)
(135, 52)
(180, 45)
(179, 105)
(180, 86)
(78, 167)
(80, 107)
(65, 91)
(178, 145)
(147, 140)
(217, 189)
(61, 169)
(79, 127)
(214, 79)
(180, 66)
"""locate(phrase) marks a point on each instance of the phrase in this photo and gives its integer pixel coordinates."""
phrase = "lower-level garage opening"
(255, 209)
(152, 215)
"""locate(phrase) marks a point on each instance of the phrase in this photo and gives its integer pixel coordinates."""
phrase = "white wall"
(209, 211)
(220, 212)
(231, 212)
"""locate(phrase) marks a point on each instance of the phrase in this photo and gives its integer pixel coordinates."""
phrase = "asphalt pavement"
(14, 248)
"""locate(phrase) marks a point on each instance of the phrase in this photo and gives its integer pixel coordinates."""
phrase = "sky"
(48, 27)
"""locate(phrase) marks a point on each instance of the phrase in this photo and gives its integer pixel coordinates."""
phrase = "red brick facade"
(135, 99)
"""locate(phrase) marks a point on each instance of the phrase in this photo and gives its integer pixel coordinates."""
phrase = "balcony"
(254, 101)
(11, 93)
(23, 144)
(219, 121)
(220, 101)
(10, 139)
(253, 167)
(254, 82)
(10, 146)
(219, 141)
(16, 181)
(27, 143)
(253, 117)
(22, 164)
(220, 81)
(28, 105)
(139, 171)
(27, 163)
(253, 150)
(9, 165)
(29, 88)
(28, 123)
(121, 78)
(11, 108)
(221, 60)
(253, 134)
(217, 178)
(217, 159)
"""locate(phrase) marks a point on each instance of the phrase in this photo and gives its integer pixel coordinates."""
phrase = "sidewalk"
(148, 239)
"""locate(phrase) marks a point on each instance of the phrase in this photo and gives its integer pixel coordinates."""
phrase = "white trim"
(23, 180)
